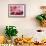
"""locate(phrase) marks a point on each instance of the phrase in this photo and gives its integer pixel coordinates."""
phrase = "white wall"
(25, 26)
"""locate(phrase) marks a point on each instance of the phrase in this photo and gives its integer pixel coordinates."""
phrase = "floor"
(30, 45)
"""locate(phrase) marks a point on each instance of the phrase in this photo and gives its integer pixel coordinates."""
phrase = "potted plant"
(10, 31)
(42, 17)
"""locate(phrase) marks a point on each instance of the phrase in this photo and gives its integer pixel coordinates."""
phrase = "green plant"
(41, 17)
(11, 31)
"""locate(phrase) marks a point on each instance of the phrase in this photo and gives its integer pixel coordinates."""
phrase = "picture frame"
(16, 10)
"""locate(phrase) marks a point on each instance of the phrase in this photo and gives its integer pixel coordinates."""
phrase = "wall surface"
(26, 26)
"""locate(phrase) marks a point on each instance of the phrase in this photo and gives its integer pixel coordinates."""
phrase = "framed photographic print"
(16, 10)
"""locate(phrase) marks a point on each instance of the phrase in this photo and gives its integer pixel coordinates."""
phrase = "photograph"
(16, 10)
